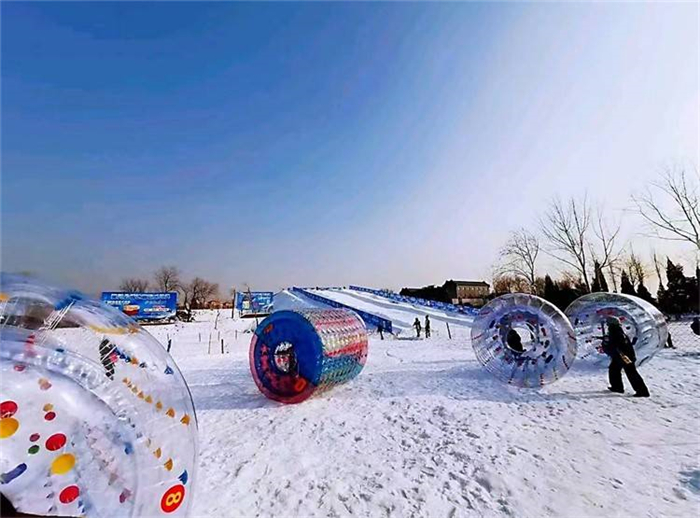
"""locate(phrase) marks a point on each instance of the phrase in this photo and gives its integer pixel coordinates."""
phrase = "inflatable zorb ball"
(643, 324)
(95, 417)
(543, 332)
(296, 354)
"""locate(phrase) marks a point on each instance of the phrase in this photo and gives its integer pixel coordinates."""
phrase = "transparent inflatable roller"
(96, 419)
(295, 354)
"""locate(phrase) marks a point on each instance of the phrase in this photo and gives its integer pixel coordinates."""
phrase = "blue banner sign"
(257, 302)
(143, 306)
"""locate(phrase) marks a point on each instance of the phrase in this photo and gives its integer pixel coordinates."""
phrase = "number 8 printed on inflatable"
(95, 417)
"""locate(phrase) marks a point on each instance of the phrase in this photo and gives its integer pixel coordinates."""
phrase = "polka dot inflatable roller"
(643, 324)
(296, 354)
(540, 329)
(96, 419)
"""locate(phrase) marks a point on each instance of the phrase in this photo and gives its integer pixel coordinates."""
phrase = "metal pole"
(448, 330)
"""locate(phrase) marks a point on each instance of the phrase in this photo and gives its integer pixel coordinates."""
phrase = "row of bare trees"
(195, 293)
(588, 246)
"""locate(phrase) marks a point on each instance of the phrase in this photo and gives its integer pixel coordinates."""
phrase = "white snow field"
(425, 431)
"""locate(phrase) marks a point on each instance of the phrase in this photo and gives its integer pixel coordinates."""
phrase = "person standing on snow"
(622, 357)
(416, 324)
(427, 326)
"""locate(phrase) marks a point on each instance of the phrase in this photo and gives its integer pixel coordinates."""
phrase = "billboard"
(143, 306)
(256, 302)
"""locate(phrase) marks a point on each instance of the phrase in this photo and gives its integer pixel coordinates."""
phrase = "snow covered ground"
(424, 431)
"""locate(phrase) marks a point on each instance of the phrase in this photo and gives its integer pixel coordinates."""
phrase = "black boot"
(619, 391)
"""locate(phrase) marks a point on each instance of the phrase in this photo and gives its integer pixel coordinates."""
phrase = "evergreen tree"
(643, 293)
(601, 279)
(681, 293)
(595, 285)
(550, 290)
(625, 284)
(599, 282)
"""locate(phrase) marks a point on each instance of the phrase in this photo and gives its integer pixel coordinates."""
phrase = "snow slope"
(424, 431)
(401, 314)
(287, 299)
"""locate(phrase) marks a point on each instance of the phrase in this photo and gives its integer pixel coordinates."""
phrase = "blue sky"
(284, 143)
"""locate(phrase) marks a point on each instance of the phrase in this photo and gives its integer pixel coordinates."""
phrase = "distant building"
(214, 304)
(467, 292)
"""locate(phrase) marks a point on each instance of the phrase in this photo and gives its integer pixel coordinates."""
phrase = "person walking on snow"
(622, 357)
(427, 326)
(416, 324)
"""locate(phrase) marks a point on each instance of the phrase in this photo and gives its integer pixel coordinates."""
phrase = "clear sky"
(323, 143)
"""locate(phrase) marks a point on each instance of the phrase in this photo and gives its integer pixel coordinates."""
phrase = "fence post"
(209, 350)
(200, 338)
(448, 330)
(222, 346)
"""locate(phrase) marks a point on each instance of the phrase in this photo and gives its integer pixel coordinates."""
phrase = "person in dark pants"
(380, 330)
(427, 326)
(514, 341)
(622, 357)
(106, 350)
(416, 324)
(669, 342)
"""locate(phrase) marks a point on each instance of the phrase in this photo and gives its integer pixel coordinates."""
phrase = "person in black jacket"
(416, 324)
(106, 350)
(622, 357)
(427, 326)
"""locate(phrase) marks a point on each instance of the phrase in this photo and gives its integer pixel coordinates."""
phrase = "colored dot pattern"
(69, 494)
(8, 409)
(8, 427)
(55, 442)
(62, 464)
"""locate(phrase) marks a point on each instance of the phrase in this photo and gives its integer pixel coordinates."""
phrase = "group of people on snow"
(419, 328)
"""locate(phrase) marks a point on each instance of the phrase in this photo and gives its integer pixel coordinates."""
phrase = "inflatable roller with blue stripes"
(295, 354)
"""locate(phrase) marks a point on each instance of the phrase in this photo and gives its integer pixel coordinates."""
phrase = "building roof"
(469, 283)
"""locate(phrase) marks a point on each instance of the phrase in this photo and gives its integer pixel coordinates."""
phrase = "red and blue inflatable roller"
(295, 354)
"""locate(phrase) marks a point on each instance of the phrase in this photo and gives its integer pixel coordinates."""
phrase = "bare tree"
(134, 285)
(607, 252)
(635, 268)
(508, 283)
(658, 268)
(201, 291)
(520, 257)
(681, 221)
(565, 226)
(167, 278)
